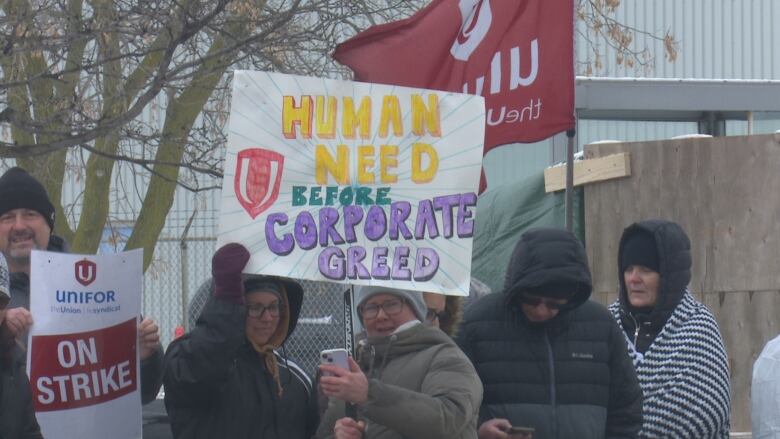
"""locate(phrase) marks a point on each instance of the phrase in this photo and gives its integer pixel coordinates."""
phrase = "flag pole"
(349, 339)
(571, 133)
(349, 327)
(570, 180)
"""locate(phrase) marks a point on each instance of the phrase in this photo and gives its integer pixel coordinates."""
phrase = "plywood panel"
(746, 229)
(723, 193)
(604, 297)
(747, 321)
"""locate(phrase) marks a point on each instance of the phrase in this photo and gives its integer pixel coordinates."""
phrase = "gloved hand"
(226, 267)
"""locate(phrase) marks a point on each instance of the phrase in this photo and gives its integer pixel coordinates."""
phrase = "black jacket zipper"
(553, 402)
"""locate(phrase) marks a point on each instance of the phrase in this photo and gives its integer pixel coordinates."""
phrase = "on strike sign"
(83, 358)
(90, 367)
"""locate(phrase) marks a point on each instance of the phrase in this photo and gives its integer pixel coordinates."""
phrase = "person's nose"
(18, 222)
(632, 276)
(381, 313)
(542, 312)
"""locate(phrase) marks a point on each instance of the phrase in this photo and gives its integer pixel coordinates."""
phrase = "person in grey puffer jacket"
(672, 338)
(549, 358)
(411, 380)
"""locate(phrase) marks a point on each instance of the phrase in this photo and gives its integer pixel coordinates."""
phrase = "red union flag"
(518, 54)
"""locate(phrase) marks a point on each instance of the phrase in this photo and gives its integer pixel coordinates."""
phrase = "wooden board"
(747, 321)
(588, 171)
(722, 191)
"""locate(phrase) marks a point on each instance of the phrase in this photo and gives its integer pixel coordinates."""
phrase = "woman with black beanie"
(672, 338)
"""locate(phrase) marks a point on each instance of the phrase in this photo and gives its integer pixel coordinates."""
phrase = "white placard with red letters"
(83, 358)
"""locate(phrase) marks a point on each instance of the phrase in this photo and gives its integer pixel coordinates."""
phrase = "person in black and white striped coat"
(673, 339)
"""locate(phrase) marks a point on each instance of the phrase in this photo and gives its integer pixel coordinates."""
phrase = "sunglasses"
(536, 301)
(432, 315)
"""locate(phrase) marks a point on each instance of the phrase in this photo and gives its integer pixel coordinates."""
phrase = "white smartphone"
(335, 356)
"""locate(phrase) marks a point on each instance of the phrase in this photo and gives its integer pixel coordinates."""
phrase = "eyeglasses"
(433, 315)
(536, 301)
(390, 307)
(257, 310)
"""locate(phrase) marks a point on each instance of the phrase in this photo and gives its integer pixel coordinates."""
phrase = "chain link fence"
(174, 295)
(177, 269)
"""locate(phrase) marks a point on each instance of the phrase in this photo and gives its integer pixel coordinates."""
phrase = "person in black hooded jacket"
(673, 339)
(17, 417)
(549, 358)
(225, 379)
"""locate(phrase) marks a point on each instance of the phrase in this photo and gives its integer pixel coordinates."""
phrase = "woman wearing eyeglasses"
(17, 418)
(410, 381)
(226, 379)
(549, 358)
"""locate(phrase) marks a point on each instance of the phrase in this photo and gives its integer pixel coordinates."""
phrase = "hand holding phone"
(520, 432)
(334, 356)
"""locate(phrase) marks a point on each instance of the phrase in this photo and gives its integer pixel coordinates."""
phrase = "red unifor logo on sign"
(257, 180)
(86, 272)
(68, 371)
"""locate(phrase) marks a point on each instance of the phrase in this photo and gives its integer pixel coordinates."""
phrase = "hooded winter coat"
(17, 418)
(218, 386)
(567, 377)
(675, 345)
(151, 368)
(420, 386)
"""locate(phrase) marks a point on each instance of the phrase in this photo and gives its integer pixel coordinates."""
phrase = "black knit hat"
(20, 190)
(640, 248)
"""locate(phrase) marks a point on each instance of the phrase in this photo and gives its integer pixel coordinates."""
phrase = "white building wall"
(717, 39)
(724, 39)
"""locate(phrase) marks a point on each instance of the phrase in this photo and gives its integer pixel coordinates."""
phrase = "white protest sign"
(353, 182)
(83, 359)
